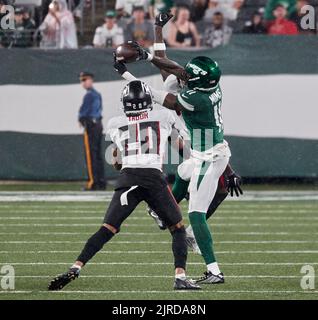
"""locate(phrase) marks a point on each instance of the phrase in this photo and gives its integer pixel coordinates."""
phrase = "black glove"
(234, 182)
(142, 53)
(162, 18)
(119, 66)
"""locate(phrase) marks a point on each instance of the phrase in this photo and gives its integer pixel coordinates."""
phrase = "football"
(127, 53)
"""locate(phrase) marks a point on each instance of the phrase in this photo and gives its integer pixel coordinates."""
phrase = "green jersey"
(202, 116)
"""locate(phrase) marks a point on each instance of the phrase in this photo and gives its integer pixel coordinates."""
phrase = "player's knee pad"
(179, 247)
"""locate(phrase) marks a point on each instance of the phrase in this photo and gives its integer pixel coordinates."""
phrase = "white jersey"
(142, 140)
(105, 37)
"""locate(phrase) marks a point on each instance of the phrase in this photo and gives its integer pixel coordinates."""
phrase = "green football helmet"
(204, 73)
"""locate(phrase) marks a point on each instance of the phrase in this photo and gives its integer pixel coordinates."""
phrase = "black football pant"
(123, 203)
(125, 200)
(93, 136)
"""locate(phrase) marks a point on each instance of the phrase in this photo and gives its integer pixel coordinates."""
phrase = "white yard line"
(161, 263)
(162, 242)
(68, 196)
(83, 213)
(71, 225)
(163, 276)
(158, 291)
(74, 206)
(237, 217)
(164, 251)
(159, 233)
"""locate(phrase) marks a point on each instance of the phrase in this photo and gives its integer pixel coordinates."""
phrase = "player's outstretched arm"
(163, 98)
(160, 21)
(159, 46)
(162, 63)
(160, 49)
(170, 66)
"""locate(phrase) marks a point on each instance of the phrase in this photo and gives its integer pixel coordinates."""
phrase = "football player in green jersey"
(228, 183)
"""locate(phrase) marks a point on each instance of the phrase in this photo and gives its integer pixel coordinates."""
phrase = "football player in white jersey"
(140, 136)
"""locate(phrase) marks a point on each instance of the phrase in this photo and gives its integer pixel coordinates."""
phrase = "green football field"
(261, 247)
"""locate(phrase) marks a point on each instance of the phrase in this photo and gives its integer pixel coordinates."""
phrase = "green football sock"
(202, 235)
(180, 188)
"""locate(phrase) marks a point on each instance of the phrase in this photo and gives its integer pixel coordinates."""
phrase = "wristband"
(160, 46)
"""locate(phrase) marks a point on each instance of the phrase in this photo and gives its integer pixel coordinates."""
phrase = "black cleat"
(160, 223)
(185, 284)
(60, 281)
(210, 278)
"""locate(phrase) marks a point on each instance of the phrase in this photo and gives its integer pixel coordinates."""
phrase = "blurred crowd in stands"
(196, 23)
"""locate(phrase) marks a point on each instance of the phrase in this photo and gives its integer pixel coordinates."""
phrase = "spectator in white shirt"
(109, 35)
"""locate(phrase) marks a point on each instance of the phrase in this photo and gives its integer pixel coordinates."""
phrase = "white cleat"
(191, 242)
(210, 278)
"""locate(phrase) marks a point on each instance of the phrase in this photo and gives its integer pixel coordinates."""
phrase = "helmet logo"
(197, 70)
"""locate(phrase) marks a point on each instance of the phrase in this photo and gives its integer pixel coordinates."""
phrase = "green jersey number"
(218, 116)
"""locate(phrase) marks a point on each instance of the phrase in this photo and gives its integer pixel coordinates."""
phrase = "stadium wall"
(270, 106)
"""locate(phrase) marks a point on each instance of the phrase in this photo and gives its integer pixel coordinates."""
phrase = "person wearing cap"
(281, 25)
(140, 29)
(109, 35)
(90, 118)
